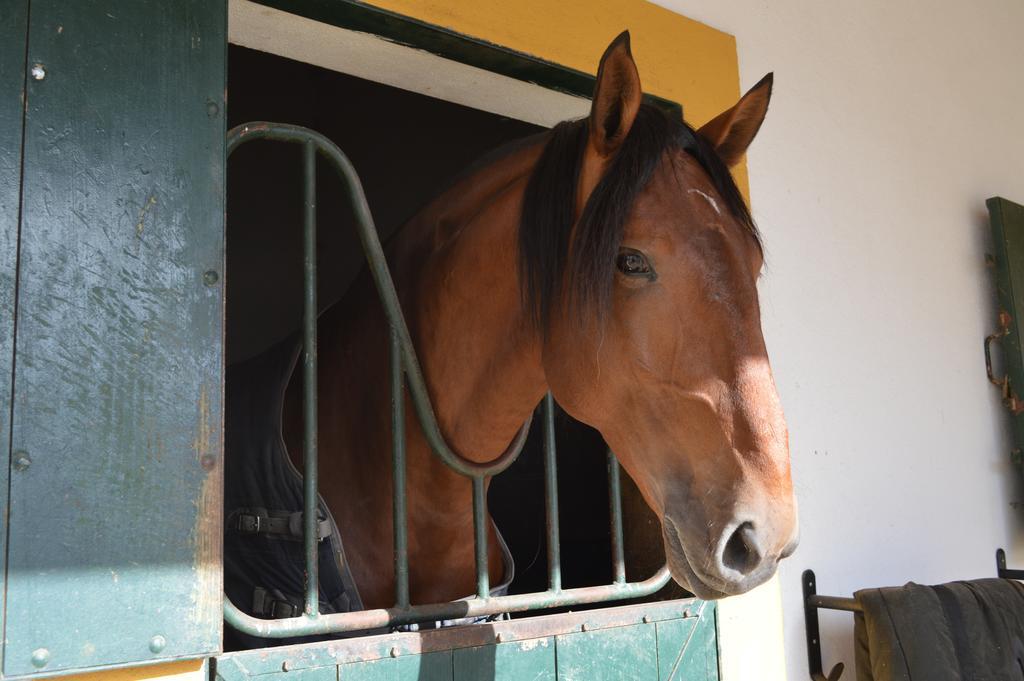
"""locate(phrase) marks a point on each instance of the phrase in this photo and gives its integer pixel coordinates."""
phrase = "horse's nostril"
(741, 552)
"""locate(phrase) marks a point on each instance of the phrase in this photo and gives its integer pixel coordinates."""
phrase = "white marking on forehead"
(714, 204)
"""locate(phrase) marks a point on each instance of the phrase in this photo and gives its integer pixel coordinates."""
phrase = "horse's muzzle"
(736, 561)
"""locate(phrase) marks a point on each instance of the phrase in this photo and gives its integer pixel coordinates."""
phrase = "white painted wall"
(890, 124)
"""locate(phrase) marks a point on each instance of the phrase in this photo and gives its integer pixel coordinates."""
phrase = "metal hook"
(1001, 570)
(833, 675)
(811, 605)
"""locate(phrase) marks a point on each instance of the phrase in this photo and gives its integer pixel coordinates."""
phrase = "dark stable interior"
(406, 147)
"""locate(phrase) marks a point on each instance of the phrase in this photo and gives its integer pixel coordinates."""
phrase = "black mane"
(550, 199)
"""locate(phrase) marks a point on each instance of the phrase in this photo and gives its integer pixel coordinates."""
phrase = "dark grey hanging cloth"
(962, 631)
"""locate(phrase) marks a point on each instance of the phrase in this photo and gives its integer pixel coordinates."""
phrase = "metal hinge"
(1010, 399)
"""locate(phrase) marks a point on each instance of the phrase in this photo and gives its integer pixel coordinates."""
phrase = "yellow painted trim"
(186, 670)
(679, 58)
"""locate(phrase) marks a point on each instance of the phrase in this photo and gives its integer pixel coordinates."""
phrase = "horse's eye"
(633, 263)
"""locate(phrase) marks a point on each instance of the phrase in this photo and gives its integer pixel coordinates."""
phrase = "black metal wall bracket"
(1001, 567)
(812, 602)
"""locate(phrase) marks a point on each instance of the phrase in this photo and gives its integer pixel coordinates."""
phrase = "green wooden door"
(113, 554)
(668, 641)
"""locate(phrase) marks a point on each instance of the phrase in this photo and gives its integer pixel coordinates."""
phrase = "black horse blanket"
(264, 565)
(962, 631)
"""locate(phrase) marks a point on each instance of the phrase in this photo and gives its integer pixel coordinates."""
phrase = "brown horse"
(613, 262)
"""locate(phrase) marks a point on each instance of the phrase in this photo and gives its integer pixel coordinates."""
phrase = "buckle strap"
(273, 605)
(275, 524)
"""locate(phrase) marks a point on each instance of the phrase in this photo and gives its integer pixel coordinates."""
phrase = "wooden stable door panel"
(688, 649)
(314, 674)
(662, 641)
(532, 659)
(607, 654)
(426, 667)
(13, 36)
(115, 517)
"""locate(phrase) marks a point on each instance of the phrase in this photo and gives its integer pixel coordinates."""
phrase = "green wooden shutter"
(1007, 220)
(114, 509)
(13, 36)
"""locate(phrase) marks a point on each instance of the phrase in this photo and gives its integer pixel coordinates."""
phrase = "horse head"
(643, 276)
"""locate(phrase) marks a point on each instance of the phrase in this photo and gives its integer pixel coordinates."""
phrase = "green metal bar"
(476, 607)
(551, 496)
(615, 510)
(310, 526)
(483, 587)
(398, 498)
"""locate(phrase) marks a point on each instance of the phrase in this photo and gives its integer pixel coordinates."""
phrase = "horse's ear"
(732, 131)
(617, 97)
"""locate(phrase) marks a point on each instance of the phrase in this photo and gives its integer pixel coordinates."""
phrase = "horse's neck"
(454, 266)
(459, 280)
